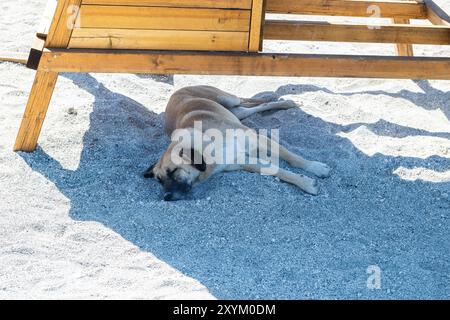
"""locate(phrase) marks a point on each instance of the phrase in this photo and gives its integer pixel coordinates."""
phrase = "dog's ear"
(200, 167)
(190, 156)
(148, 174)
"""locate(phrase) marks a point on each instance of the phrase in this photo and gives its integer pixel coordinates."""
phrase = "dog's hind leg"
(254, 102)
(319, 169)
(244, 112)
(305, 183)
(230, 101)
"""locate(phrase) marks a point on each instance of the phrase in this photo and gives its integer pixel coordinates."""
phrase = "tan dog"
(218, 110)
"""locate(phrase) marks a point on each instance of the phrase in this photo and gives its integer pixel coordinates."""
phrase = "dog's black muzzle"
(174, 190)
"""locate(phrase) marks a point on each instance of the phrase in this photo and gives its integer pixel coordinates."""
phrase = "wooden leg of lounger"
(33, 118)
(404, 49)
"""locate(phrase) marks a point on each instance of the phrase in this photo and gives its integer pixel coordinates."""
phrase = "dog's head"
(177, 177)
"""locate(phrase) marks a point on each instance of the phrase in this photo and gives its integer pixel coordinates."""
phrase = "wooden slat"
(35, 111)
(256, 29)
(63, 23)
(353, 8)
(406, 49)
(118, 17)
(46, 19)
(227, 4)
(16, 57)
(159, 39)
(249, 64)
(42, 33)
(436, 15)
(324, 31)
(35, 53)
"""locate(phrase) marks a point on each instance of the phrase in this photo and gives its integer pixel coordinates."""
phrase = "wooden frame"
(222, 37)
(247, 64)
(16, 57)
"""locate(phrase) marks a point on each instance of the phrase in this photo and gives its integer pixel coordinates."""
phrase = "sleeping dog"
(184, 164)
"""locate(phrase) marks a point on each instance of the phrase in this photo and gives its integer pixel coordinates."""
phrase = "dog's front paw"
(312, 187)
(319, 169)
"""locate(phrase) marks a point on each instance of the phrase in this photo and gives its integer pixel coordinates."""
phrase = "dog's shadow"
(246, 236)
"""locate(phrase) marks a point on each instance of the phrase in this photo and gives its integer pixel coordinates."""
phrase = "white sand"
(78, 221)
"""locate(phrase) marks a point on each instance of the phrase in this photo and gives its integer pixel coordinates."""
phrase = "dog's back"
(208, 104)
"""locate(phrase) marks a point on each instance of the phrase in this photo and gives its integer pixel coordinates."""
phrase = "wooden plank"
(35, 54)
(159, 39)
(41, 35)
(256, 26)
(226, 4)
(406, 49)
(353, 8)
(63, 22)
(46, 19)
(436, 15)
(16, 57)
(35, 111)
(325, 31)
(122, 17)
(249, 64)
(51, 10)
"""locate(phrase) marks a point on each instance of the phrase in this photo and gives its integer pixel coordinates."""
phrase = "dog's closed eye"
(191, 157)
(171, 172)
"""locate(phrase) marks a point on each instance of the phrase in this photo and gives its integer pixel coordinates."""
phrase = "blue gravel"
(246, 236)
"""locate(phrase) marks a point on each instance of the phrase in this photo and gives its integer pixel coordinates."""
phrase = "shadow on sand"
(246, 236)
